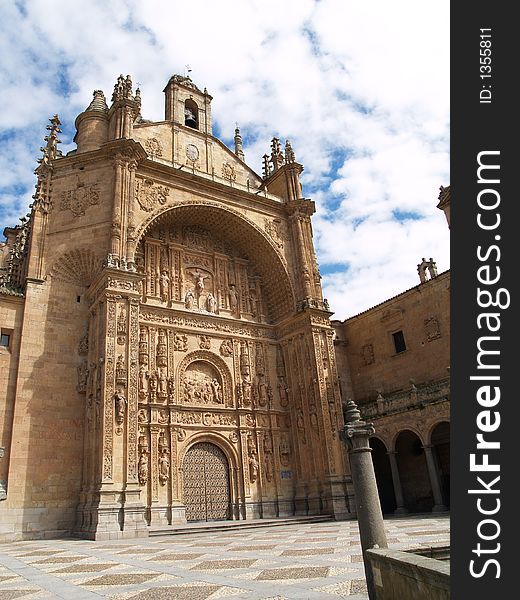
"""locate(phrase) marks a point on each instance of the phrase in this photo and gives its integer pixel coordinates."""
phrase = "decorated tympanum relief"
(192, 268)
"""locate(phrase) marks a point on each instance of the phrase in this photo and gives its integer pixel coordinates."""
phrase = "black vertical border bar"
(477, 127)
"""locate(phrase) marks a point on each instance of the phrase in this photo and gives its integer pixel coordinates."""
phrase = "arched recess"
(204, 357)
(383, 473)
(440, 441)
(207, 489)
(413, 472)
(239, 231)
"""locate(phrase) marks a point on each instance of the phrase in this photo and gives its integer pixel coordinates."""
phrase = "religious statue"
(189, 299)
(164, 283)
(211, 303)
(143, 468)
(253, 468)
(164, 467)
(120, 402)
(233, 298)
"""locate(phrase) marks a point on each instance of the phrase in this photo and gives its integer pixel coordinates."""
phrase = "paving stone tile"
(224, 564)
(293, 573)
(176, 556)
(121, 579)
(190, 592)
(57, 560)
(308, 552)
(86, 568)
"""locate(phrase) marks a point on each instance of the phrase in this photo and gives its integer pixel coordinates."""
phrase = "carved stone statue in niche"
(163, 382)
(283, 392)
(262, 390)
(253, 301)
(153, 386)
(164, 284)
(189, 299)
(211, 303)
(253, 468)
(142, 468)
(120, 407)
(171, 387)
(233, 299)
(246, 392)
(143, 378)
(120, 370)
(199, 278)
(164, 466)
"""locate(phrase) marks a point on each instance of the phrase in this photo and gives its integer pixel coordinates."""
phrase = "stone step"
(188, 528)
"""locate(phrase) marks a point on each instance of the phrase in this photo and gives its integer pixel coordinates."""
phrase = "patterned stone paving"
(288, 562)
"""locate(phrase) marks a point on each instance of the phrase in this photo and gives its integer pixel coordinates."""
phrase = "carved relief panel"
(191, 268)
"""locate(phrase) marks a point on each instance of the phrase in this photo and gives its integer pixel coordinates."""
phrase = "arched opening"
(383, 474)
(206, 258)
(413, 472)
(206, 483)
(440, 441)
(191, 114)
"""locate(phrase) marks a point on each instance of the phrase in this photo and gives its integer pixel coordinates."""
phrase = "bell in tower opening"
(191, 114)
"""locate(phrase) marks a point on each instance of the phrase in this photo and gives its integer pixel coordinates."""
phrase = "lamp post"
(355, 435)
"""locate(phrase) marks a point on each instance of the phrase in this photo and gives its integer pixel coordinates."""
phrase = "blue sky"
(360, 88)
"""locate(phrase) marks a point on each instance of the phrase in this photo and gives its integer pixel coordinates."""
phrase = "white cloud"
(363, 80)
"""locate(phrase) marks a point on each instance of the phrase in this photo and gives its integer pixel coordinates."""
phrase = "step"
(189, 528)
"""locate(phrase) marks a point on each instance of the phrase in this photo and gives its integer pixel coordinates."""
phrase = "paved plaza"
(297, 562)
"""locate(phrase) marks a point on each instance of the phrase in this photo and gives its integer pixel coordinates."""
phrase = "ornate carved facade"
(185, 340)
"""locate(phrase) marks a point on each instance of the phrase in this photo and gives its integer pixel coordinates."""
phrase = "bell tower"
(186, 105)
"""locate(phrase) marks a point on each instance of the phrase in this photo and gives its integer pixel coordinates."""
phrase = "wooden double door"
(206, 483)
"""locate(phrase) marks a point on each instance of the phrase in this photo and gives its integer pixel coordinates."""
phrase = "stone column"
(438, 504)
(398, 490)
(355, 434)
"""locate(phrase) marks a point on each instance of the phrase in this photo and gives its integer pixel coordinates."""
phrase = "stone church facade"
(167, 355)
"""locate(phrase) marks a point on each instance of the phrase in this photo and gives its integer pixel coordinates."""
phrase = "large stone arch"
(244, 234)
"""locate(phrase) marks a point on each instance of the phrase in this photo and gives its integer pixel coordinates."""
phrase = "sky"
(360, 88)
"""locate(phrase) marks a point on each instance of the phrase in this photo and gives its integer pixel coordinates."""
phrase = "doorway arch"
(383, 473)
(206, 483)
(413, 471)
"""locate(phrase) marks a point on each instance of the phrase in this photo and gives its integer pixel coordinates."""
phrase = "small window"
(399, 343)
(5, 340)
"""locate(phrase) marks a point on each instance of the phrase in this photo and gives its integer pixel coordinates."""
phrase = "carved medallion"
(149, 194)
(228, 172)
(153, 147)
(78, 200)
(432, 328)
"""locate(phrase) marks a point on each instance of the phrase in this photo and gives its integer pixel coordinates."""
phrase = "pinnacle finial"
(238, 143)
(289, 152)
(98, 103)
(266, 167)
(50, 151)
(352, 414)
(277, 158)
